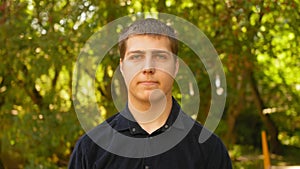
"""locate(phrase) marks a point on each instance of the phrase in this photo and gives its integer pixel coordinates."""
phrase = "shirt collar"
(125, 120)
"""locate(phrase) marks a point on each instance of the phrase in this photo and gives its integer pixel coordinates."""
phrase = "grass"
(248, 157)
(290, 157)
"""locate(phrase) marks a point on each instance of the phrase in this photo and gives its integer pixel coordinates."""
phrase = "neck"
(153, 114)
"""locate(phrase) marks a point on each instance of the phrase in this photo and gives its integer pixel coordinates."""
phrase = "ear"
(121, 66)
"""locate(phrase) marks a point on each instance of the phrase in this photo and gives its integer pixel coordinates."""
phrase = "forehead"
(148, 42)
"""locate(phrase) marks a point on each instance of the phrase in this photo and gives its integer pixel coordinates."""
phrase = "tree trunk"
(230, 136)
(236, 105)
(275, 145)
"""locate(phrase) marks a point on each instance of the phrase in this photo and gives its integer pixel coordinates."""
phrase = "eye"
(135, 57)
(161, 56)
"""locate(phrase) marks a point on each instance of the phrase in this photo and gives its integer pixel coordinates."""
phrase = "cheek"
(129, 73)
(169, 70)
(166, 78)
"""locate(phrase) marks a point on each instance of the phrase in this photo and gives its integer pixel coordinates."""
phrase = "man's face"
(148, 66)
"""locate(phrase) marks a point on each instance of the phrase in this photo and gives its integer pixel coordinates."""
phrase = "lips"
(148, 83)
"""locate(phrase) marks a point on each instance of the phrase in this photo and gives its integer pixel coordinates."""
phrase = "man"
(149, 64)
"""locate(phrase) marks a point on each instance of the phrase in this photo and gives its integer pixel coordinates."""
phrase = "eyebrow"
(160, 51)
(156, 51)
(136, 52)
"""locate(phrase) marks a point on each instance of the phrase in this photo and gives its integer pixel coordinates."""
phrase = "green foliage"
(41, 40)
(246, 157)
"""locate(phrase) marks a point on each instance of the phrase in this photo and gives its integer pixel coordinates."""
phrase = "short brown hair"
(151, 27)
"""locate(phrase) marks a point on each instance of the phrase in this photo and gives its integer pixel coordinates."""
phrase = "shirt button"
(147, 167)
(166, 126)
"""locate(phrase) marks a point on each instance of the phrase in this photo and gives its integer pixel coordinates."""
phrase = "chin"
(155, 96)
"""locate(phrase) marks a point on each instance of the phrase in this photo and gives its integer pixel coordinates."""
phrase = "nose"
(149, 66)
(149, 70)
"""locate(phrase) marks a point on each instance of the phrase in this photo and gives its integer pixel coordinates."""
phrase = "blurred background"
(257, 41)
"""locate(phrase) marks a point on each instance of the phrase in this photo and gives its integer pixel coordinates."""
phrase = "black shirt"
(177, 146)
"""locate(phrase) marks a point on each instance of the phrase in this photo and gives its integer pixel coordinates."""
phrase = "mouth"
(148, 83)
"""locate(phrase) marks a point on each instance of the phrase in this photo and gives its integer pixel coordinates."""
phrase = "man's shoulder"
(213, 146)
(204, 135)
(88, 138)
(113, 118)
